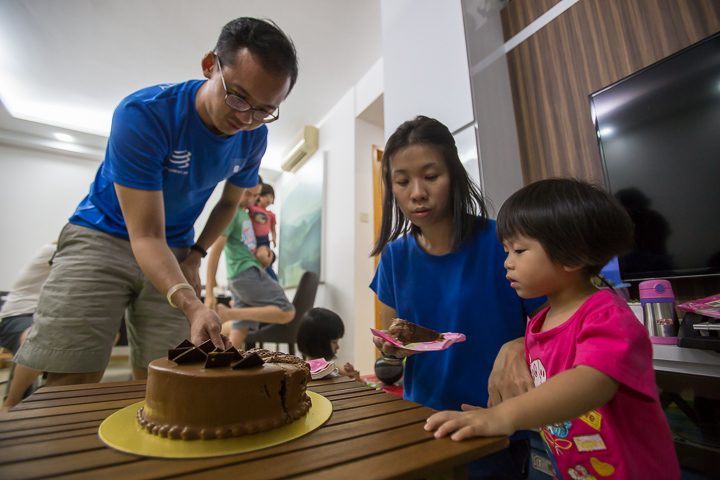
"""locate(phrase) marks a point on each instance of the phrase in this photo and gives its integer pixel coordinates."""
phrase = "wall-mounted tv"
(659, 136)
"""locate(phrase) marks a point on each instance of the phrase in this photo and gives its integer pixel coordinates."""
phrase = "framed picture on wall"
(301, 222)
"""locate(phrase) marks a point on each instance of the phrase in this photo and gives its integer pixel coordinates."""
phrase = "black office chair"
(303, 301)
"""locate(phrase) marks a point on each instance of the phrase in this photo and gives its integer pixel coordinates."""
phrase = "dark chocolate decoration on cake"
(207, 346)
(192, 355)
(218, 359)
(250, 360)
(206, 352)
(173, 353)
(185, 344)
(236, 355)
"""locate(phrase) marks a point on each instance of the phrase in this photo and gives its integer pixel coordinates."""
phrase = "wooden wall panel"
(592, 44)
(519, 14)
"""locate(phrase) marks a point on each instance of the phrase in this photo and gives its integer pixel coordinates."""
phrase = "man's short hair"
(263, 38)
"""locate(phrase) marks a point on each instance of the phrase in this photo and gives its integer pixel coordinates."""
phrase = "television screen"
(659, 137)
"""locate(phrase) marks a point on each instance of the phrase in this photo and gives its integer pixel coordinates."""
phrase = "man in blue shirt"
(130, 243)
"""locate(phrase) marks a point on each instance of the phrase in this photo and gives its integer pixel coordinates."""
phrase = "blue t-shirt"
(158, 142)
(464, 291)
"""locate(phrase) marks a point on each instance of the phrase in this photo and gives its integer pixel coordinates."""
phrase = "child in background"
(595, 400)
(319, 336)
(267, 257)
(263, 220)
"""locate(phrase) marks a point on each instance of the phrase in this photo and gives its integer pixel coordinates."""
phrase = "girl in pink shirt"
(595, 402)
(263, 220)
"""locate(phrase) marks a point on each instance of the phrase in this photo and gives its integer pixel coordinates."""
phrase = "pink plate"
(448, 339)
(317, 364)
(320, 368)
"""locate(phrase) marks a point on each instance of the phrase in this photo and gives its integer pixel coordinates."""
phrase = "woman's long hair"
(466, 201)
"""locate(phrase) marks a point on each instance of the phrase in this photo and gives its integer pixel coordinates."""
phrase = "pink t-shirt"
(628, 437)
(262, 219)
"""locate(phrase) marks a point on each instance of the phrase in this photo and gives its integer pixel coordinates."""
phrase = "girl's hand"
(471, 422)
(349, 371)
(388, 349)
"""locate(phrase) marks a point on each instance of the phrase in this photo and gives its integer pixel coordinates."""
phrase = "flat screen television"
(659, 136)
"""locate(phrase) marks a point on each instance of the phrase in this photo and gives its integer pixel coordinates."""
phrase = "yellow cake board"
(121, 431)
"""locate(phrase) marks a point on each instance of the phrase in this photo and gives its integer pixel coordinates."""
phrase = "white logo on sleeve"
(180, 161)
(537, 369)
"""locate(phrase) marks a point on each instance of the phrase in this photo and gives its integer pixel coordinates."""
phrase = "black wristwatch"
(199, 249)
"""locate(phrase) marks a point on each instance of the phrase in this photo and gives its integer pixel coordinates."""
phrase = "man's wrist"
(187, 302)
(199, 249)
(193, 256)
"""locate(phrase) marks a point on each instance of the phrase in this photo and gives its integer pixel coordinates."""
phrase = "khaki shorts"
(94, 280)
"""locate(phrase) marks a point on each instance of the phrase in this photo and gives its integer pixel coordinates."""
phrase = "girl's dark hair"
(267, 190)
(578, 224)
(264, 39)
(466, 201)
(318, 327)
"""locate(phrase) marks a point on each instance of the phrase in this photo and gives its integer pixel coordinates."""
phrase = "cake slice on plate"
(408, 332)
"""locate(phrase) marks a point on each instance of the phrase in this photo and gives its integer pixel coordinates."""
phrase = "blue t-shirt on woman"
(464, 291)
(158, 142)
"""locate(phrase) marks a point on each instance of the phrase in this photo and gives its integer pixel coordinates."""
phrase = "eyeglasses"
(236, 102)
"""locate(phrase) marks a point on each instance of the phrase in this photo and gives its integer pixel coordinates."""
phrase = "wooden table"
(370, 435)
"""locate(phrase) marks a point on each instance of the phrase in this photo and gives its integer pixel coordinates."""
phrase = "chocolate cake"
(408, 332)
(200, 392)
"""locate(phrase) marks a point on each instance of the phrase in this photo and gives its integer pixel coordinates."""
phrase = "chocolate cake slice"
(408, 332)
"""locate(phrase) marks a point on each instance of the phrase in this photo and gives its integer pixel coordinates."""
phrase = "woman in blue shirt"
(441, 266)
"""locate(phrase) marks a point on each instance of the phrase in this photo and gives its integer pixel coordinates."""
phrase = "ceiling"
(64, 65)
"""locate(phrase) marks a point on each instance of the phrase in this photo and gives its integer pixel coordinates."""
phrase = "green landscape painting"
(301, 223)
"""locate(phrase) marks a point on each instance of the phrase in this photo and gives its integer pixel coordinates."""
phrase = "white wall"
(426, 67)
(368, 90)
(366, 135)
(38, 193)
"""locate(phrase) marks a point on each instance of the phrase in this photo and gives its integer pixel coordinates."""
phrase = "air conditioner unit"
(303, 149)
